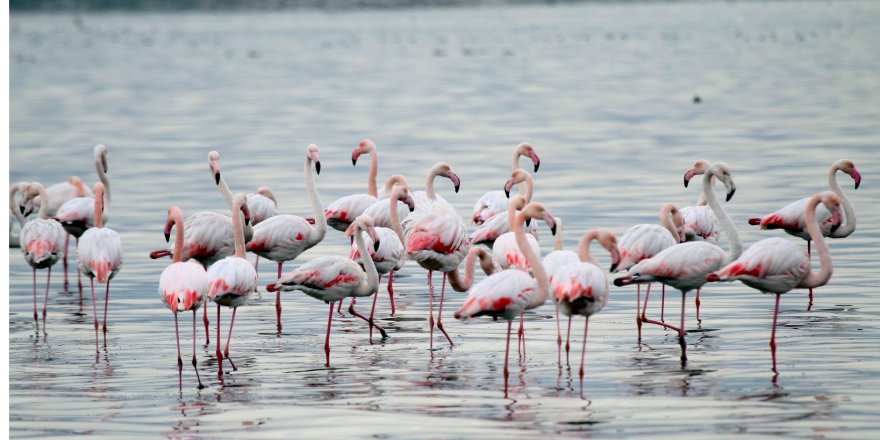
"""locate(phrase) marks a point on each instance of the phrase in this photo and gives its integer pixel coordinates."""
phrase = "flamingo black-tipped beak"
(354, 161)
(535, 159)
(506, 193)
(528, 221)
(730, 195)
(216, 178)
(553, 229)
(688, 175)
(410, 203)
(375, 245)
(318, 167)
(247, 220)
(167, 237)
(537, 165)
(857, 177)
(22, 209)
(613, 267)
(507, 187)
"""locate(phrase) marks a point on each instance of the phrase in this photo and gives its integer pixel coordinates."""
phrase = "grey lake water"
(605, 92)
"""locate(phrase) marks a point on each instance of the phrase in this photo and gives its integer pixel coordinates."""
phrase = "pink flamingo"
(700, 223)
(582, 288)
(343, 211)
(505, 249)
(685, 266)
(99, 255)
(498, 225)
(332, 278)
(389, 256)
(41, 243)
(285, 236)
(645, 241)
(555, 263)
(232, 279)
(507, 294)
(183, 287)
(381, 214)
(463, 282)
(791, 218)
(774, 265)
(495, 202)
(436, 238)
(16, 213)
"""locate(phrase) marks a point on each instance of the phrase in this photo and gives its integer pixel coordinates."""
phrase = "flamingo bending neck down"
(508, 293)
(284, 237)
(99, 256)
(343, 211)
(775, 265)
(41, 243)
(17, 212)
(493, 203)
(183, 287)
(436, 238)
(685, 266)
(332, 278)
(792, 220)
(232, 279)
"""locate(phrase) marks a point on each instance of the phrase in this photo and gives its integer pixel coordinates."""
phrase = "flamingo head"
(721, 171)
(537, 211)
(364, 223)
(312, 154)
(267, 193)
(832, 202)
(516, 177)
(173, 213)
(239, 202)
(101, 155)
(365, 147)
(848, 167)
(608, 240)
(700, 167)
(214, 165)
(442, 169)
(527, 149)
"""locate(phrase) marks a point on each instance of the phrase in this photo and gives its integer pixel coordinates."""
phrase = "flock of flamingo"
(209, 249)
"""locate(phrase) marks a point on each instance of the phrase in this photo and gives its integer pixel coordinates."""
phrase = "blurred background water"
(606, 94)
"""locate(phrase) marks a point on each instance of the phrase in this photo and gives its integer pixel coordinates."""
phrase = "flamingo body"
(207, 238)
(261, 207)
(183, 286)
(641, 242)
(282, 237)
(489, 205)
(329, 278)
(343, 211)
(496, 226)
(772, 265)
(231, 280)
(503, 295)
(580, 289)
(390, 254)
(77, 215)
(380, 211)
(700, 224)
(683, 266)
(436, 239)
(507, 254)
(791, 220)
(99, 254)
(42, 242)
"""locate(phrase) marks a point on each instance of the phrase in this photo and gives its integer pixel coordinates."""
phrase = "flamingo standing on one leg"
(343, 211)
(232, 279)
(492, 203)
(389, 256)
(99, 256)
(183, 287)
(436, 238)
(644, 241)
(774, 265)
(508, 293)
(332, 278)
(41, 244)
(582, 288)
(791, 218)
(685, 266)
(700, 223)
(284, 237)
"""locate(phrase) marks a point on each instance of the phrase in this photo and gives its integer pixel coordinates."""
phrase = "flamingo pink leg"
(440, 310)
(34, 271)
(773, 337)
(46, 300)
(697, 303)
(369, 321)
(638, 314)
(228, 338)
(106, 302)
(278, 302)
(78, 273)
(645, 303)
(681, 341)
(327, 340)
(194, 363)
(521, 336)
(506, 356)
(372, 311)
(431, 311)
(391, 291)
(179, 359)
(257, 264)
(568, 340)
(66, 247)
(558, 339)
(94, 312)
(219, 353)
(662, 302)
(654, 321)
(583, 351)
(339, 308)
(810, 258)
(207, 331)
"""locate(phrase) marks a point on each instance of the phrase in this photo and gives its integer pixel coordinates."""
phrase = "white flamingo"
(232, 279)
(284, 237)
(99, 256)
(41, 242)
(343, 211)
(492, 203)
(332, 278)
(183, 287)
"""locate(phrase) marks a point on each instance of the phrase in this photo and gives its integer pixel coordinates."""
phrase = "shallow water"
(603, 91)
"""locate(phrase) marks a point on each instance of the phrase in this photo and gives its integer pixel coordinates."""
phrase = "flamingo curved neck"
(666, 220)
(44, 207)
(396, 179)
(224, 191)
(394, 217)
(584, 247)
(374, 170)
(534, 260)
(13, 206)
(558, 240)
(99, 208)
(701, 201)
(315, 201)
(102, 176)
(429, 185)
(237, 229)
(178, 237)
(816, 279)
(486, 263)
(371, 284)
(850, 225)
(522, 187)
(723, 219)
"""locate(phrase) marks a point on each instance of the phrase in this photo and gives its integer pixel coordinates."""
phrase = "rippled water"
(603, 91)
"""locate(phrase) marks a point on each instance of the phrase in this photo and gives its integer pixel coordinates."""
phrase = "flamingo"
(498, 225)
(436, 238)
(99, 255)
(685, 266)
(700, 223)
(41, 243)
(59, 193)
(644, 241)
(582, 288)
(507, 294)
(232, 279)
(183, 287)
(226, 193)
(262, 204)
(495, 202)
(285, 236)
(332, 278)
(389, 256)
(463, 283)
(791, 218)
(555, 263)
(775, 265)
(16, 213)
(505, 249)
(343, 211)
